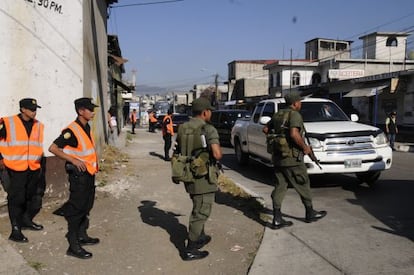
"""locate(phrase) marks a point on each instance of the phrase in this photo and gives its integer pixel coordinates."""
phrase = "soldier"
(288, 161)
(199, 139)
(76, 145)
(167, 133)
(21, 147)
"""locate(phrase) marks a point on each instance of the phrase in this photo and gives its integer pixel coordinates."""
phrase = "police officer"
(167, 133)
(76, 145)
(21, 148)
(289, 166)
(201, 189)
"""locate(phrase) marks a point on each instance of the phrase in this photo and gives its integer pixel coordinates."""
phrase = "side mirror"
(354, 117)
(264, 120)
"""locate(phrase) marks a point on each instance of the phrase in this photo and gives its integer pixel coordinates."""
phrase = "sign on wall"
(345, 74)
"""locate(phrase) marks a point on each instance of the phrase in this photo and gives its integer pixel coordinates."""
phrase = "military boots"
(17, 235)
(75, 249)
(278, 222)
(313, 215)
(192, 253)
(203, 240)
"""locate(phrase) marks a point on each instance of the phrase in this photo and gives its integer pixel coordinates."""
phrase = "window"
(391, 42)
(271, 81)
(269, 109)
(257, 112)
(341, 46)
(316, 78)
(295, 79)
(278, 79)
(326, 45)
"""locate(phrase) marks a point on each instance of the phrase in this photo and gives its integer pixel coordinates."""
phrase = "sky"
(175, 44)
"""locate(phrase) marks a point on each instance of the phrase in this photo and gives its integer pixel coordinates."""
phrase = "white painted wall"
(305, 77)
(42, 57)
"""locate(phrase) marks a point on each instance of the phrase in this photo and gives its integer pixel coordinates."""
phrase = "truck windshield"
(322, 111)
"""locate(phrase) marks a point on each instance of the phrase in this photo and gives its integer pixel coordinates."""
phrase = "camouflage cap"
(201, 104)
(292, 98)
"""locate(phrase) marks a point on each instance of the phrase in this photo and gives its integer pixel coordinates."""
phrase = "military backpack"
(277, 140)
(192, 160)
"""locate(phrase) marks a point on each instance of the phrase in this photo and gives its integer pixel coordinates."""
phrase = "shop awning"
(367, 92)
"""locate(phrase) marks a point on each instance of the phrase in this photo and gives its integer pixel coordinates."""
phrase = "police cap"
(29, 103)
(84, 102)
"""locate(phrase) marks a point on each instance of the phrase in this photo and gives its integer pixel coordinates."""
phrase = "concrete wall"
(305, 77)
(255, 87)
(95, 76)
(375, 47)
(42, 58)
(54, 52)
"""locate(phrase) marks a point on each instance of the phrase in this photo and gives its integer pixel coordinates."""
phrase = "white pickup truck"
(341, 145)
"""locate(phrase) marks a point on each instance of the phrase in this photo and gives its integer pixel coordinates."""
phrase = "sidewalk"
(141, 218)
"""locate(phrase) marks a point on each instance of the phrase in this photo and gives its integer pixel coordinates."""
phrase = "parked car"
(224, 120)
(177, 120)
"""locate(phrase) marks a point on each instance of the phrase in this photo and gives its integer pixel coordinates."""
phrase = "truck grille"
(349, 145)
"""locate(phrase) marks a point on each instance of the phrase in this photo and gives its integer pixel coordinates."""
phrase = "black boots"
(312, 215)
(192, 252)
(278, 222)
(17, 235)
(203, 240)
(78, 252)
(75, 249)
(30, 225)
(86, 240)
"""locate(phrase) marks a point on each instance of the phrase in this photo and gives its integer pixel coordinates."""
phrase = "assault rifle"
(312, 154)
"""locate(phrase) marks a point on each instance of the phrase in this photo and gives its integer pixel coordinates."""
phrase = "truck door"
(256, 136)
(254, 126)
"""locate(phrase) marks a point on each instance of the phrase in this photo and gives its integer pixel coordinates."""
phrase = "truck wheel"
(369, 177)
(242, 158)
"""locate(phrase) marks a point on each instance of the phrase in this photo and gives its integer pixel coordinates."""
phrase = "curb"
(402, 147)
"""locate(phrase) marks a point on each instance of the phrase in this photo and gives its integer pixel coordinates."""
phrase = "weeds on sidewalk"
(111, 159)
(239, 198)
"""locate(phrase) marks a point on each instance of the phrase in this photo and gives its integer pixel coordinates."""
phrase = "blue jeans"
(391, 139)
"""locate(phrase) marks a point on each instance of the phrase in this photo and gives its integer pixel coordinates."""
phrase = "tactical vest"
(278, 141)
(193, 159)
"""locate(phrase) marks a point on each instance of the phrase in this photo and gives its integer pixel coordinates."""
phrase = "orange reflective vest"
(133, 117)
(167, 128)
(152, 118)
(19, 151)
(85, 151)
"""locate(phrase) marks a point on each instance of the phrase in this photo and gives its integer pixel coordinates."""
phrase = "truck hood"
(337, 127)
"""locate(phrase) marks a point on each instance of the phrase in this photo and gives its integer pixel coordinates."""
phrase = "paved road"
(367, 230)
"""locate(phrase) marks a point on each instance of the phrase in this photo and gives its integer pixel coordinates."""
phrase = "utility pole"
(216, 90)
(291, 67)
